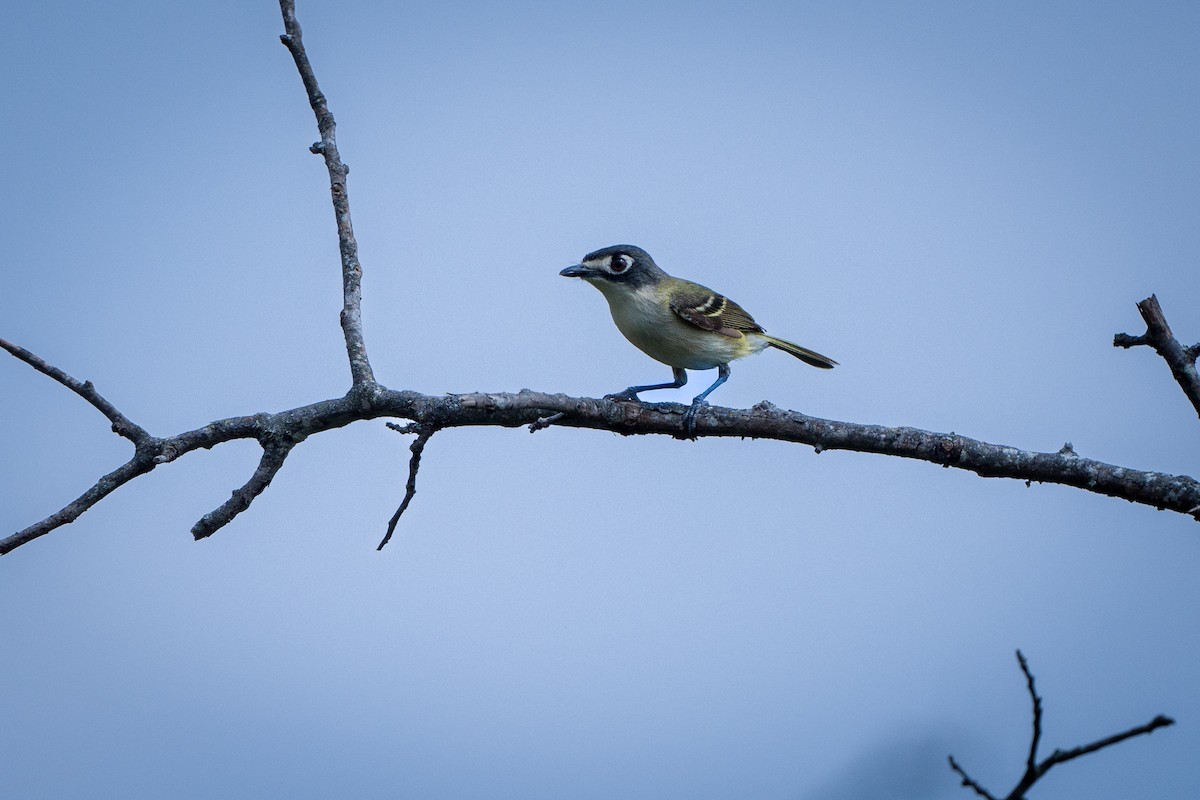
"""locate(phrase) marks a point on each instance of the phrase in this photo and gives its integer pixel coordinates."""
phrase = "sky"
(960, 202)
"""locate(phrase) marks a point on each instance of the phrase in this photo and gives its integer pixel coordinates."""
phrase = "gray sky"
(959, 202)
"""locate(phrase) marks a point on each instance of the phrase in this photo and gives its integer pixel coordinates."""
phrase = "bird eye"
(620, 264)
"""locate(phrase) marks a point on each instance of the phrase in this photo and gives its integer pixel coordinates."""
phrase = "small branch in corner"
(1035, 771)
(424, 434)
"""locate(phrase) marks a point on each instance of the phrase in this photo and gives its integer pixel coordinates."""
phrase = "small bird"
(682, 324)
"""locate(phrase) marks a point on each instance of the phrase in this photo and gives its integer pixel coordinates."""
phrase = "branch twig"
(356, 347)
(121, 425)
(410, 488)
(968, 781)
(274, 454)
(138, 465)
(1036, 738)
(1034, 771)
(1181, 360)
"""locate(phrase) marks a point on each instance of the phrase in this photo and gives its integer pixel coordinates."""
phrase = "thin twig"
(545, 422)
(1062, 756)
(1031, 759)
(968, 781)
(121, 425)
(275, 452)
(356, 347)
(410, 488)
(138, 465)
(1181, 360)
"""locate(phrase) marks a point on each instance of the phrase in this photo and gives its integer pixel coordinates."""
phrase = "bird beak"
(575, 271)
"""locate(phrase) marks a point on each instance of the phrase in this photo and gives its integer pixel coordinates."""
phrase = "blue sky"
(961, 203)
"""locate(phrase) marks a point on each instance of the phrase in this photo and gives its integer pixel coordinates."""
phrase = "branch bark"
(417, 448)
(1181, 360)
(1178, 493)
(120, 424)
(351, 317)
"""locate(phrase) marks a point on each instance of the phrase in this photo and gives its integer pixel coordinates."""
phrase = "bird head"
(619, 265)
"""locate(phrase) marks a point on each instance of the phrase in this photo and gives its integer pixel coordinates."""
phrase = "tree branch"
(138, 465)
(410, 488)
(120, 424)
(1035, 771)
(274, 454)
(1036, 738)
(1181, 360)
(1178, 493)
(968, 781)
(351, 317)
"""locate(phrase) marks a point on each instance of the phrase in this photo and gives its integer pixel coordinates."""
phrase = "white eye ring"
(620, 264)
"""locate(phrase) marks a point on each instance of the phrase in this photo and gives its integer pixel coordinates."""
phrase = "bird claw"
(628, 394)
(689, 417)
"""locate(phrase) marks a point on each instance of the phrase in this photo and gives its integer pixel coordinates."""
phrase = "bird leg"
(689, 418)
(632, 392)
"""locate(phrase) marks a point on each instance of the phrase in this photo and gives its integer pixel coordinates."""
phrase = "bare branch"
(1178, 493)
(1181, 360)
(351, 317)
(1061, 756)
(410, 488)
(1031, 759)
(274, 454)
(968, 781)
(138, 465)
(121, 425)
(1035, 771)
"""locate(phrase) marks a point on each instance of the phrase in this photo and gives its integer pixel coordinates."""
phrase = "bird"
(680, 323)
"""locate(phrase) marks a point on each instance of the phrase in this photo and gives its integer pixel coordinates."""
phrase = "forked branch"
(1035, 770)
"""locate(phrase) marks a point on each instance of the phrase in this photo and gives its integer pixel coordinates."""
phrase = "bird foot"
(628, 394)
(689, 417)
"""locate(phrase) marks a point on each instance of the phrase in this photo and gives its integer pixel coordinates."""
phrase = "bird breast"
(647, 321)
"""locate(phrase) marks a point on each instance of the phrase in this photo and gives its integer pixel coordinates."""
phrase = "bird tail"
(802, 353)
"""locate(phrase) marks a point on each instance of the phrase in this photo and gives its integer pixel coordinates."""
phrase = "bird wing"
(710, 311)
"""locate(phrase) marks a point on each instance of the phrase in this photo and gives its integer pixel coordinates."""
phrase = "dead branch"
(410, 488)
(1178, 493)
(351, 317)
(120, 424)
(1181, 360)
(1034, 771)
(274, 454)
